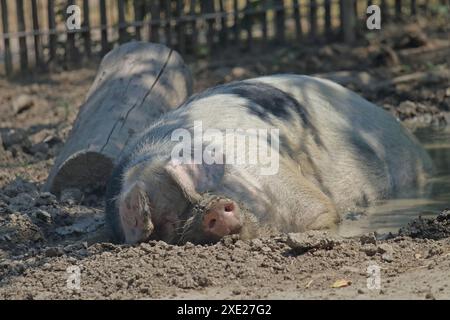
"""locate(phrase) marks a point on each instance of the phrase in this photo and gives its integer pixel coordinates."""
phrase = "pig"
(337, 152)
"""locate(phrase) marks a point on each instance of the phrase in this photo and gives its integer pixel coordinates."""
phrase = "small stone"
(319, 240)
(256, 243)
(238, 72)
(54, 252)
(21, 202)
(369, 249)
(11, 137)
(43, 215)
(430, 296)
(39, 148)
(368, 239)
(22, 103)
(385, 248)
(45, 199)
(236, 292)
(387, 257)
(189, 245)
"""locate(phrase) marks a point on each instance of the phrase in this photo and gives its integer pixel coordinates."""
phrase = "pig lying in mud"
(336, 151)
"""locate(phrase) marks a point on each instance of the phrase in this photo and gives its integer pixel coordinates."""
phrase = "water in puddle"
(390, 215)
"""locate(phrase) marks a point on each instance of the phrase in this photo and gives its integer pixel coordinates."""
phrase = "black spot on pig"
(267, 100)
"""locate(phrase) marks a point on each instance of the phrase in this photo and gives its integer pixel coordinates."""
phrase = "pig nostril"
(212, 223)
(229, 207)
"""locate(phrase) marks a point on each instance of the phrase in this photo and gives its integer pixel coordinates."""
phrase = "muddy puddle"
(389, 216)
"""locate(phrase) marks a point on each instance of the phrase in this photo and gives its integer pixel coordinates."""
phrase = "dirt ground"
(43, 240)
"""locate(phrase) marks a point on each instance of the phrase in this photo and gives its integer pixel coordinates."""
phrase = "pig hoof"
(222, 219)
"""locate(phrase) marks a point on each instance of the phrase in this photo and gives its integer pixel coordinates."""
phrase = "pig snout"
(222, 219)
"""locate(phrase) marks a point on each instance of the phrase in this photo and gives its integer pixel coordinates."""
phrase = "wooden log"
(419, 77)
(136, 83)
(22, 39)
(6, 43)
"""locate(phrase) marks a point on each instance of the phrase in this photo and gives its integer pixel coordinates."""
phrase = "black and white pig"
(337, 151)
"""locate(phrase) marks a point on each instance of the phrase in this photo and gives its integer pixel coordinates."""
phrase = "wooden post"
(207, 6)
(236, 26)
(87, 25)
(327, 8)
(135, 84)
(348, 18)
(398, 8)
(104, 27)
(180, 28)
(265, 34)
(122, 27)
(223, 25)
(71, 52)
(413, 7)
(22, 39)
(167, 18)
(138, 17)
(193, 13)
(155, 10)
(52, 26)
(248, 24)
(6, 42)
(313, 19)
(37, 37)
(279, 21)
(297, 19)
(384, 10)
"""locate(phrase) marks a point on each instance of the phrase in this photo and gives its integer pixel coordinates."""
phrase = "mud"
(42, 236)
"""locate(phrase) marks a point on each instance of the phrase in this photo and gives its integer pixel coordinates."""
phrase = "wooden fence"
(34, 32)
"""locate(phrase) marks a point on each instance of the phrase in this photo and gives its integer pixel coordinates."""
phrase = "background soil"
(41, 236)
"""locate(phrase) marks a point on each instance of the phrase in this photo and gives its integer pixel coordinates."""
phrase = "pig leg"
(301, 204)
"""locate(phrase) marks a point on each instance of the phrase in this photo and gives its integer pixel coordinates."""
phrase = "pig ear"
(134, 211)
(195, 179)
